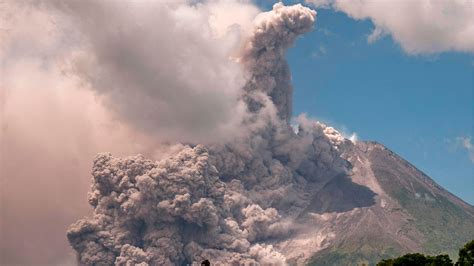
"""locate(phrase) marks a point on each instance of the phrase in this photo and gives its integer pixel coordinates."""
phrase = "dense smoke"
(264, 56)
(163, 68)
(53, 126)
(230, 202)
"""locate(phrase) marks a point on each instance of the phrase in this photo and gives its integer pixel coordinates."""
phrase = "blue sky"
(419, 106)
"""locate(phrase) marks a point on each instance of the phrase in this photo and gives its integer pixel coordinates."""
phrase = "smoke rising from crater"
(227, 202)
(182, 74)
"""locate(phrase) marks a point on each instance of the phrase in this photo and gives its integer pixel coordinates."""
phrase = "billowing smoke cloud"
(54, 121)
(165, 213)
(49, 130)
(264, 56)
(164, 68)
(424, 26)
(209, 79)
(230, 202)
(188, 207)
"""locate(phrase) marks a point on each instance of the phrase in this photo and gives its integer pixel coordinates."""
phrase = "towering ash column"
(264, 56)
(185, 208)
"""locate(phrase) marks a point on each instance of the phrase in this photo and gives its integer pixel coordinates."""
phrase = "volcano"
(278, 193)
(385, 207)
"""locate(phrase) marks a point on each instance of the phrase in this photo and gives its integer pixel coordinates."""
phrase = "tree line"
(466, 258)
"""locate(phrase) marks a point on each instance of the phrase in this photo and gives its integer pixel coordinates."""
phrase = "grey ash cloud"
(227, 202)
(203, 91)
(162, 68)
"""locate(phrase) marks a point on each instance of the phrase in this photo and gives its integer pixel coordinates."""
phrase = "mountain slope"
(410, 213)
(446, 221)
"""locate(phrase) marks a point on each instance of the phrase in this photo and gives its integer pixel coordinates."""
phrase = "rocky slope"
(384, 207)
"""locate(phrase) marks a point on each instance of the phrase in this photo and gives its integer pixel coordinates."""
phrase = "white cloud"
(353, 137)
(466, 143)
(376, 34)
(320, 3)
(420, 27)
(320, 52)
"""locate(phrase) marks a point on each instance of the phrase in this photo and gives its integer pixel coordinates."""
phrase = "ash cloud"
(203, 89)
(165, 213)
(49, 130)
(53, 122)
(264, 56)
(164, 68)
(229, 202)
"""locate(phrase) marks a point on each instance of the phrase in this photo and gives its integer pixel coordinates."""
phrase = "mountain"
(384, 207)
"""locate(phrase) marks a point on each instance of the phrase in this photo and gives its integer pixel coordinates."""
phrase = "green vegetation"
(343, 258)
(366, 252)
(416, 259)
(466, 258)
(466, 255)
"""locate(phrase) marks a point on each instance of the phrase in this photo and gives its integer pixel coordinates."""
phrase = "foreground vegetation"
(466, 258)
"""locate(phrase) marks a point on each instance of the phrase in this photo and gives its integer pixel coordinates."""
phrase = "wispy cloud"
(320, 52)
(326, 32)
(466, 143)
(376, 34)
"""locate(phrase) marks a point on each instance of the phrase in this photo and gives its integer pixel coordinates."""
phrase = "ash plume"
(264, 55)
(231, 202)
(162, 67)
